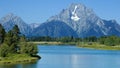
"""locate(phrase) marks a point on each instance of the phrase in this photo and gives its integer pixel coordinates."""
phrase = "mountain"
(54, 29)
(77, 21)
(10, 20)
(34, 25)
(85, 22)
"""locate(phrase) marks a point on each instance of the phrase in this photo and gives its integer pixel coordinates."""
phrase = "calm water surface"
(72, 57)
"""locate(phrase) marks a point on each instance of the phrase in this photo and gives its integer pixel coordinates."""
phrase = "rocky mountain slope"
(10, 20)
(77, 20)
(85, 22)
(54, 29)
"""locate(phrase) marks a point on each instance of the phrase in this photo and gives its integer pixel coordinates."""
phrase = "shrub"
(4, 50)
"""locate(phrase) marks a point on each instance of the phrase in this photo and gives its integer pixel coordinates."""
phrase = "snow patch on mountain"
(34, 25)
(74, 15)
(104, 32)
(85, 22)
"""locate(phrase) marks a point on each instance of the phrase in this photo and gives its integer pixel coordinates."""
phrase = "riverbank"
(53, 43)
(17, 58)
(93, 45)
(98, 46)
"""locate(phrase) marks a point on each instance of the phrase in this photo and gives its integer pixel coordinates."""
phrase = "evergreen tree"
(28, 48)
(4, 50)
(22, 38)
(16, 33)
(2, 34)
(112, 41)
(14, 43)
(8, 38)
(102, 40)
(12, 39)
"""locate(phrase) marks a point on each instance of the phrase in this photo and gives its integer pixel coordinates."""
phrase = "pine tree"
(28, 48)
(16, 33)
(8, 38)
(12, 39)
(2, 34)
(14, 43)
(4, 50)
(22, 38)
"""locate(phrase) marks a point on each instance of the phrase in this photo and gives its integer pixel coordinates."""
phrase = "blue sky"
(38, 11)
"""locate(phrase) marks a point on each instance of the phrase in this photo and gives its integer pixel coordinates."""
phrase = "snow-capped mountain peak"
(85, 21)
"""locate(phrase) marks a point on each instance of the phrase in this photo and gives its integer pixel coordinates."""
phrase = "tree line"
(13, 42)
(106, 40)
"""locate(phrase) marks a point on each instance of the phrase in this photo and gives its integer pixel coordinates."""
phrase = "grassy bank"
(53, 43)
(17, 58)
(98, 46)
(93, 45)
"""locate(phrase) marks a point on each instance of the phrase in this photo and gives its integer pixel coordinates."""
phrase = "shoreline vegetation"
(15, 49)
(18, 58)
(90, 45)
(98, 46)
(52, 43)
(102, 43)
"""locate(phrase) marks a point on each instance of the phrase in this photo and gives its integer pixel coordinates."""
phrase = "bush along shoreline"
(14, 47)
(103, 42)
(18, 58)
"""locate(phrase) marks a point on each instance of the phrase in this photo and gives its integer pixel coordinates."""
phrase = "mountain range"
(10, 20)
(77, 20)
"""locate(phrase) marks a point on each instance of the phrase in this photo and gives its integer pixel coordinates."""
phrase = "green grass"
(53, 43)
(98, 46)
(92, 45)
(17, 58)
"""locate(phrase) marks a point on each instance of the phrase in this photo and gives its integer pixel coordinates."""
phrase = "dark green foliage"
(44, 38)
(90, 39)
(8, 38)
(112, 41)
(66, 39)
(16, 43)
(13, 48)
(102, 39)
(16, 30)
(23, 38)
(16, 33)
(28, 48)
(12, 39)
(109, 40)
(59, 39)
(2, 34)
(105, 40)
(4, 50)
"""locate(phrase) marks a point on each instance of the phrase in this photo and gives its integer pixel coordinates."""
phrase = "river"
(66, 56)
